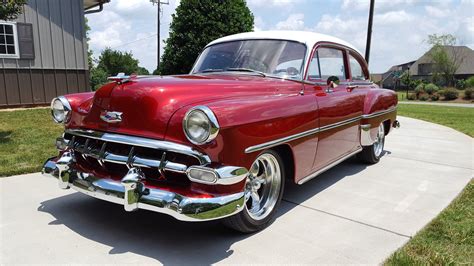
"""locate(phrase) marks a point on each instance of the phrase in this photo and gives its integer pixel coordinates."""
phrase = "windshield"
(270, 57)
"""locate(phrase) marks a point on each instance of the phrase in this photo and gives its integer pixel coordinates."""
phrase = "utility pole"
(369, 31)
(158, 33)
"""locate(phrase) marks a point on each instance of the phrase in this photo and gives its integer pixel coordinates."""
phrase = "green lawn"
(459, 118)
(26, 140)
(447, 240)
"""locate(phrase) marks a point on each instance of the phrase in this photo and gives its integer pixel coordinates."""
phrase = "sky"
(400, 27)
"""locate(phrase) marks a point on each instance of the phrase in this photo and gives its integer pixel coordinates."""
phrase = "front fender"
(245, 122)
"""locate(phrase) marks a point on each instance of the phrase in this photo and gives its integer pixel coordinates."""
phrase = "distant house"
(43, 53)
(424, 66)
(391, 78)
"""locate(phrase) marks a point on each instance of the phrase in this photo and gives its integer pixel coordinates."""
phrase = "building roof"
(306, 37)
(88, 4)
(463, 53)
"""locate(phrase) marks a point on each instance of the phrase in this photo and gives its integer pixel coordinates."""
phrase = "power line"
(137, 40)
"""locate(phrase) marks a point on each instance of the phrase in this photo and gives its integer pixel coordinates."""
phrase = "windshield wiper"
(245, 70)
(209, 70)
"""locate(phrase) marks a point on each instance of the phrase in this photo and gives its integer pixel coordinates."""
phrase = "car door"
(340, 105)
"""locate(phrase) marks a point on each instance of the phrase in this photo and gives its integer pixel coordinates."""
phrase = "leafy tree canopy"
(11, 9)
(446, 58)
(112, 62)
(198, 22)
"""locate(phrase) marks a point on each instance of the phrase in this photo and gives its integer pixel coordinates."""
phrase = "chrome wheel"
(379, 141)
(263, 186)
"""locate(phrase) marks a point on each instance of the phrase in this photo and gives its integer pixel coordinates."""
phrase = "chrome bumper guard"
(132, 193)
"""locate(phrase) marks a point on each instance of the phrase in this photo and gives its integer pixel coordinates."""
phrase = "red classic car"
(257, 109)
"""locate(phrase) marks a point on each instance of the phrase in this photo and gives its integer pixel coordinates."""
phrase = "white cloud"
(259, 24)
(380, 6)
(436, 12)
(293, 22)
(393, 17)
(274, 3)
(123, 22)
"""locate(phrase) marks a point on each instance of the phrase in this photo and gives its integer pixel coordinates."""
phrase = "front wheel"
(371, 154)
(263, 193)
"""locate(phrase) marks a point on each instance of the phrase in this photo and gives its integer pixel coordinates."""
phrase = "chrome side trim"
(367, 116)
(277, 142)
(339, 124)
(142, 142)
(329, 166)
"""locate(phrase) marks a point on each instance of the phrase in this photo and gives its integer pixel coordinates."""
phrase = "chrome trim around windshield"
(313, 131)
(303, 66)
(142, 142)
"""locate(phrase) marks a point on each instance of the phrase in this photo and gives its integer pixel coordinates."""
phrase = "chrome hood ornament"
(111, 117)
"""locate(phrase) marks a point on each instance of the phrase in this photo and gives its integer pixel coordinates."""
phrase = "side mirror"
(333, 82)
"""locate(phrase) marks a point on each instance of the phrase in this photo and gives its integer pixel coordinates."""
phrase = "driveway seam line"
(348, 219)
(418, 160)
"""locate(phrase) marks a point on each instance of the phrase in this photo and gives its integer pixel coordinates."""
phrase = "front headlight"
(60, 109)
(200, 125)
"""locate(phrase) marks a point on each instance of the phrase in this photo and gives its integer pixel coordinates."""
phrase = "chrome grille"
(132, 151)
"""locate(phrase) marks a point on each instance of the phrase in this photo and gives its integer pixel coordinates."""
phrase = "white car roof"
(307, 37)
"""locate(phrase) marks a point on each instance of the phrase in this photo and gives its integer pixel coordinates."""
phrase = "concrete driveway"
(352, 214)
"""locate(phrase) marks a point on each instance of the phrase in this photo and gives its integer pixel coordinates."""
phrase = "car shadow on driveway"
(163, 238)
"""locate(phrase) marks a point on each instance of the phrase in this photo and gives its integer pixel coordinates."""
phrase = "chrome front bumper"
(132, 193)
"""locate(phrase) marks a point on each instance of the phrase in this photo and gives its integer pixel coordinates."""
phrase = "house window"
(8, 40)
(425, 69)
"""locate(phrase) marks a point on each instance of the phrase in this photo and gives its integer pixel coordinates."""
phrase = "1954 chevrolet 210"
(257, 109)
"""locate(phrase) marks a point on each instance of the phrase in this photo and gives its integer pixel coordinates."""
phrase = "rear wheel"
(371, 154)
(263, 192)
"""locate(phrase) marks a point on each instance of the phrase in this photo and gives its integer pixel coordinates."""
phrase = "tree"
(142, 71)
(114, 62)
(198, 22)
(11, 9)
(90, 58)
(447, 58)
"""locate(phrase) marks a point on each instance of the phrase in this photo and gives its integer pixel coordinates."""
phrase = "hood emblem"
(111, 117)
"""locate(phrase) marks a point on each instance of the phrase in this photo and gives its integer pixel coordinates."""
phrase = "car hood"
(146, 104)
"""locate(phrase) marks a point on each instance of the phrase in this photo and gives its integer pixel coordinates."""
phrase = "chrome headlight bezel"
(212, 128)
(66, 109)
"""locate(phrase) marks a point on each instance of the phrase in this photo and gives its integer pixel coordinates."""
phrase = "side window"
(356, 69)
(327, 62)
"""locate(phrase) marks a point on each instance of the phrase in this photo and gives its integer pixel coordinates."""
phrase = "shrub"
(460, 84)
(470, 82)
(411, 97)
(450, 94)
(424, 97)
(431, 88)
(469, 93)
(434, 97)
(420, 89)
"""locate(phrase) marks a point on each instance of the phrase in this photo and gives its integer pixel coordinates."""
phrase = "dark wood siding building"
(43, 53)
